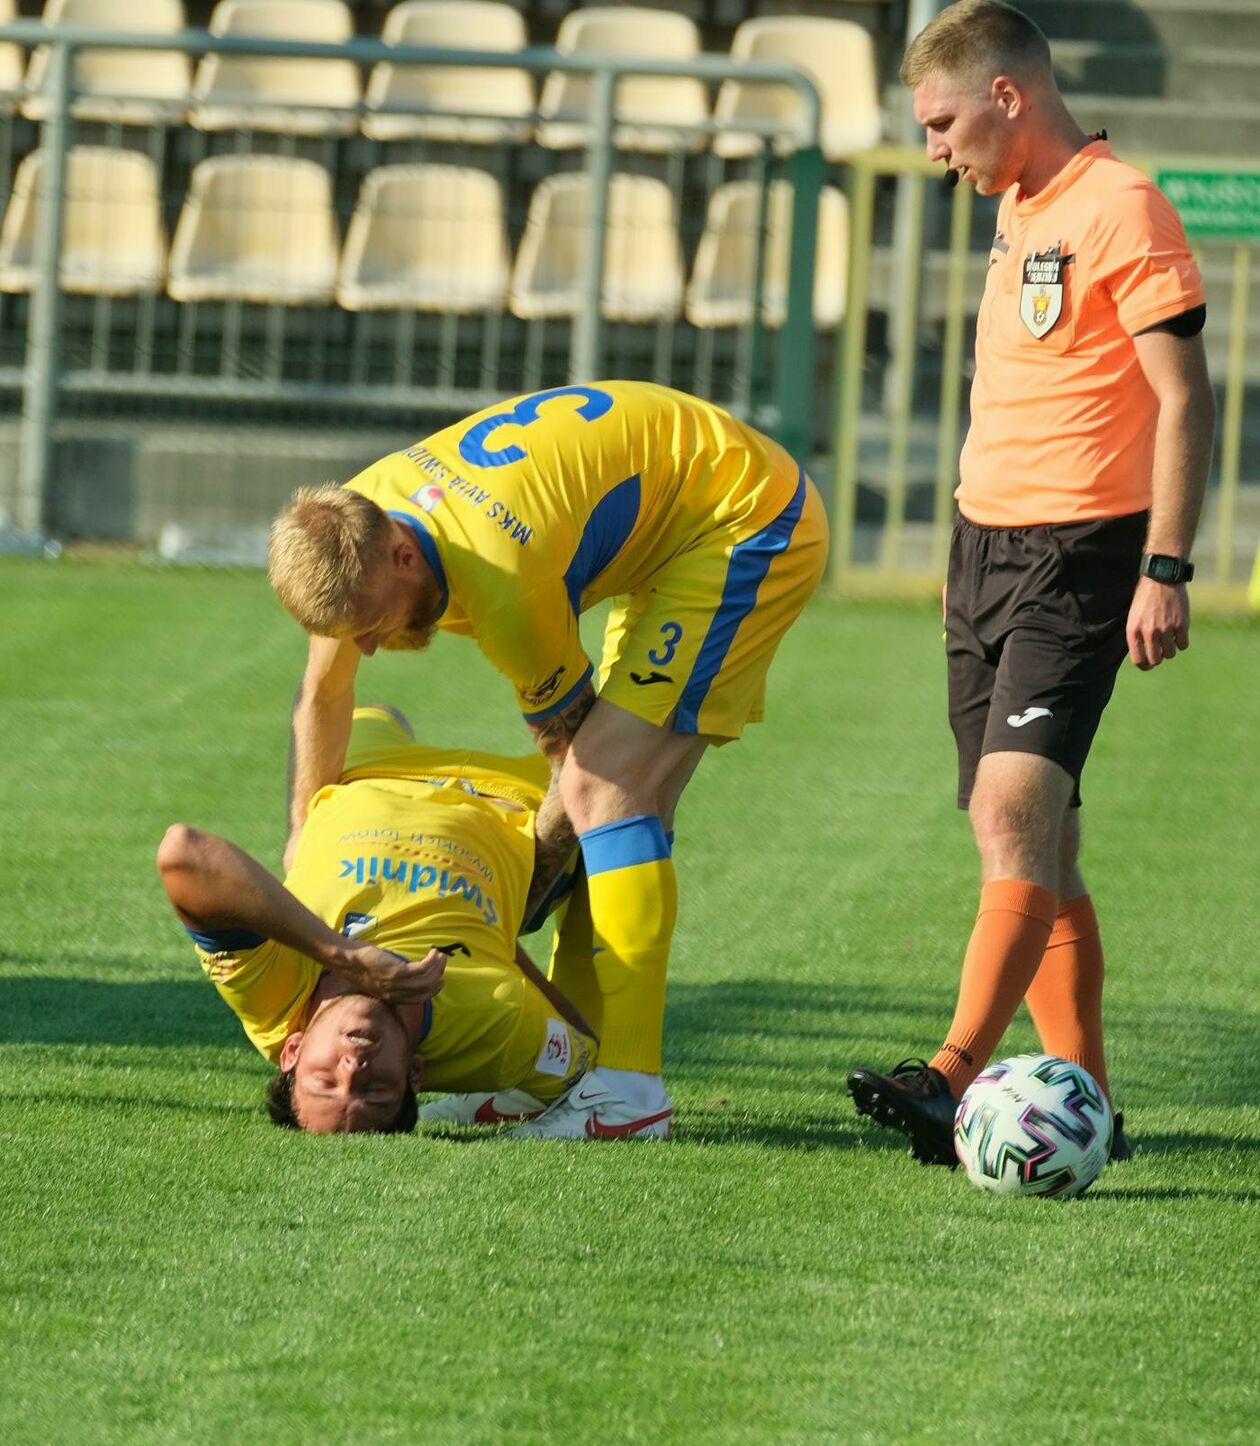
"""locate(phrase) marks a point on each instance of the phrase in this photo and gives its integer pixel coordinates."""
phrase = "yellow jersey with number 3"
(532, 510)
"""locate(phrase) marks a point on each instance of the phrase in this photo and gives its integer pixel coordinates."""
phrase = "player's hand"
(391, 977)
(1159, 622)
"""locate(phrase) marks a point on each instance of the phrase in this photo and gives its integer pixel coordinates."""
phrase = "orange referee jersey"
(1062, 416)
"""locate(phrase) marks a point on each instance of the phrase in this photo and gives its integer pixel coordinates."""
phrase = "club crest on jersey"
(1041, 295)
(427, 498)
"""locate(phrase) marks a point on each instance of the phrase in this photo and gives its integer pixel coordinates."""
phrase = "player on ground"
(505, 527)
(417, 855)
(1081, 484)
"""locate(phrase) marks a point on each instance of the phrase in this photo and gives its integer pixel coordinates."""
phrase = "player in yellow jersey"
(505, 527)
(387, 960)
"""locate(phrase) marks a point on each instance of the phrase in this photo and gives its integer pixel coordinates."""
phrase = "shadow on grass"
(83, 1101)
(1155, 1193)
(96, 1011)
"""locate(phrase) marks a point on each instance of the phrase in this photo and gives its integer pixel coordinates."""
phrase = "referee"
(1081, 483)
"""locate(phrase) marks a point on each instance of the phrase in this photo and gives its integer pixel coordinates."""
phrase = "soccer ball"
(1033, 1125)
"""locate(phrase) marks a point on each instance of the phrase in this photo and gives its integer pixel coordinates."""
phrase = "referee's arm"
(1175, 365)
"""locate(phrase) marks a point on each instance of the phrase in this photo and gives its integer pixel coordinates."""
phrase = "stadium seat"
(643, 277)
(644, 104)
(112, 238)
(720, 291)
(255, 228)
(272, 93)
(132, 87)
(839, 57)
(454, 94)
(10, 63)
(428, 238)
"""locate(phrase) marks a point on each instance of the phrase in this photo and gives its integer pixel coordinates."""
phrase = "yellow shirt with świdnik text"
(532, 510)
(416, 861)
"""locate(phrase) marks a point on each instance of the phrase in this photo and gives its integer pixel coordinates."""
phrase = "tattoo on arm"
(553, 735)
(554, 842)
(554, 838)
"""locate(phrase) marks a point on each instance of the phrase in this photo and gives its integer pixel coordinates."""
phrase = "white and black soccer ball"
(1033, 1125)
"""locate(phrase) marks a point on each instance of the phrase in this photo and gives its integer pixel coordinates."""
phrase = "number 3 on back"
(472, 445)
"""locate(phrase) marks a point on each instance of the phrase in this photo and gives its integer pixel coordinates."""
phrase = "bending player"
(416, 855)
(505, 527)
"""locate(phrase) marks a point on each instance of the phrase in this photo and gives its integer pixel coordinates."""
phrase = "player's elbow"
(179, 851)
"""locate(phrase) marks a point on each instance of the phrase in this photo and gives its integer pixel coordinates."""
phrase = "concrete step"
(1155, 124)
(1198, 74)
(1174, 24)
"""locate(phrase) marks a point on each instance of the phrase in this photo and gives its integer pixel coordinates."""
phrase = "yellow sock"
(572, 967)
(633, 902)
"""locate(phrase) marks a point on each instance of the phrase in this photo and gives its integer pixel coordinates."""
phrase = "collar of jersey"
(1071, 173)
(426, 1023)
(429, 547)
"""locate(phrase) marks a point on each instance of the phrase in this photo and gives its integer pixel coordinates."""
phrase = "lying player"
(416, 855)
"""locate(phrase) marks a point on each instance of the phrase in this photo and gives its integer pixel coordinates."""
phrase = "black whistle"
(950, 179)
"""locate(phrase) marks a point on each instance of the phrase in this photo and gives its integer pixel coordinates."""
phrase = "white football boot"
(506, 1107)
(592, 1110)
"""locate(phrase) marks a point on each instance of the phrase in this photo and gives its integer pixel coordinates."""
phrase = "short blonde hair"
(975, 41)
(324, 547)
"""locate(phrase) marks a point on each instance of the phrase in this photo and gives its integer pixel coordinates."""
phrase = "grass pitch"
(174, 1269)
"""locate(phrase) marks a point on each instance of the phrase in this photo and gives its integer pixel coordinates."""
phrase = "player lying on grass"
(387, 961)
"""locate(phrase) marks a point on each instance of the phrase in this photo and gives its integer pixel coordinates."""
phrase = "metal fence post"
(794, 382)
(586, 360)
(43, 338)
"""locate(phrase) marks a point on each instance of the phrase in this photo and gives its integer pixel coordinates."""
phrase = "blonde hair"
(324, 547)
(975, 41)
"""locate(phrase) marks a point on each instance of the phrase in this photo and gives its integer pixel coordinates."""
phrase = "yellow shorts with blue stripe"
(691, 650)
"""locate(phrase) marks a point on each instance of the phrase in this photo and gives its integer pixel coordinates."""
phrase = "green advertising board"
(1216, 205)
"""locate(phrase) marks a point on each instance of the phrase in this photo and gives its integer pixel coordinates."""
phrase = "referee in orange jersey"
(1081, 483)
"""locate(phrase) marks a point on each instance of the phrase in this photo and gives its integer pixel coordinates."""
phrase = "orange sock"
(1005, 949)
(1065, 998)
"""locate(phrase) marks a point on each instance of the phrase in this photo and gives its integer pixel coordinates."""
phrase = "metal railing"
(788, 409)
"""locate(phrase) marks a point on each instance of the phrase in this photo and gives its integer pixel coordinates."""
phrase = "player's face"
(352, 1067)
(969, 130)
(395, 614)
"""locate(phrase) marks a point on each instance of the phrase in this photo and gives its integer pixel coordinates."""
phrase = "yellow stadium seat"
(504, 98)
(274, 93)
(255, 228)
(133, 87)
(112, 238)
(644, 104)
(428, 238)
(10, 62)
(720, 291)
(643, 277)
(838, 55)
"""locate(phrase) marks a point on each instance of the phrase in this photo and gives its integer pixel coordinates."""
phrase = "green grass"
(173, 1269)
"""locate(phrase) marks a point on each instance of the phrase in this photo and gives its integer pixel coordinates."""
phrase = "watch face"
(1165, 569)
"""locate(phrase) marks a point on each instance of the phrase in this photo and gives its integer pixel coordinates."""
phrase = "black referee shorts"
(1034, 629)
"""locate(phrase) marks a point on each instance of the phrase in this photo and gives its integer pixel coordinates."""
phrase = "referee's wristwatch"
(1162, 567)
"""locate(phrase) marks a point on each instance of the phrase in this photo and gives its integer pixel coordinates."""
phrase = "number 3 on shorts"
(472, 445)
(671, 636)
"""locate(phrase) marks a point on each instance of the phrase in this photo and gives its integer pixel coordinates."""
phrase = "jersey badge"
(546, 689)
(556, 1054)
(1041, 295)
(427, 498)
